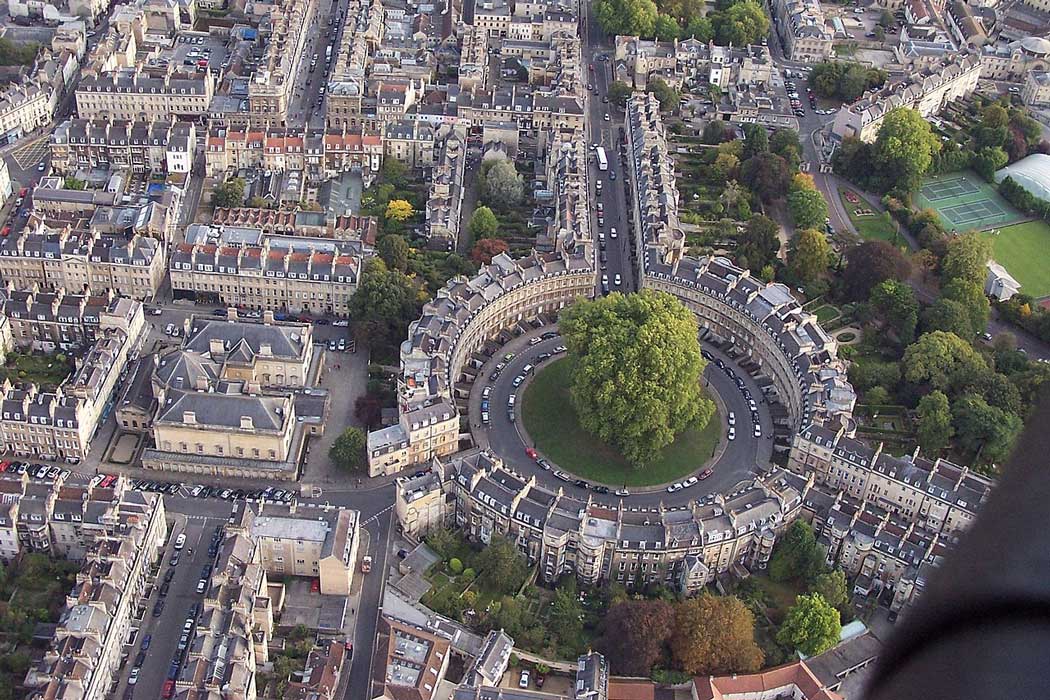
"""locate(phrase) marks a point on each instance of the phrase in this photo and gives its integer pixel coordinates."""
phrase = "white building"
(999, 284)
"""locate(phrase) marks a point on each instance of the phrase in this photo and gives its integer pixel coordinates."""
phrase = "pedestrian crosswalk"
(376, 516)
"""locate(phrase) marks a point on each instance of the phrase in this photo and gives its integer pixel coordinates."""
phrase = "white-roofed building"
(1031, 173)
(999, 284)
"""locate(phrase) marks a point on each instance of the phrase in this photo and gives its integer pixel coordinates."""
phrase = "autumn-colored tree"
(634, 635)
(399, 210)
(488, 248)
(714, 635)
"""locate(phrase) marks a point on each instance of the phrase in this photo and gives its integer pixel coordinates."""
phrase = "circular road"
(738, 461)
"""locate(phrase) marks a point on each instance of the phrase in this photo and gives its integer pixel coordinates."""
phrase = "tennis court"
(964, 202)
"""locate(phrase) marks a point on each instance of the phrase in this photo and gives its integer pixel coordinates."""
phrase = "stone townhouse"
(411, 141)
(84, 656)
(229, 640)
(60, 424)
(266, 272)
(287, 24)
(78, 262)
(461, 319)
(24, 108)
(56, 321)
(308, 541)
(444, 209)
(927, 92)
(408, 661)
(132, 95)
(597, 542)
(162, 145)
(803, 29)
(940, 496)
(320, 155)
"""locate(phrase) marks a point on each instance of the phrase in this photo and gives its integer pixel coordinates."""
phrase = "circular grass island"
(551, 422)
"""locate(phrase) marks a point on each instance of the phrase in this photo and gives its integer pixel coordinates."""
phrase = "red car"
(315, 585)
(531, 453)
(169, 689)
(704, 474)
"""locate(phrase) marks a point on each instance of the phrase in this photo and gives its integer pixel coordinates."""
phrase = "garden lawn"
(554, 428)
(39, 369)
(826, 313)
(1024, 250)
(872, 228)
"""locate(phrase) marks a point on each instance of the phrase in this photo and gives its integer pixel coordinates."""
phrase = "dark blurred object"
(982, 628)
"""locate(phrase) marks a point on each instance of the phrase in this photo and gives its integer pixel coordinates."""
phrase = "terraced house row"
(246, 267)
(794, 357)
(442, 344)
(59, 424)
(118, 535)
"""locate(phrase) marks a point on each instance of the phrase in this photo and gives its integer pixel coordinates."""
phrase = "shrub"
(469, 574)
(455, 565)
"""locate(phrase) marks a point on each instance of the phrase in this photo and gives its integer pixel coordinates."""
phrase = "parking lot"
(169, 613)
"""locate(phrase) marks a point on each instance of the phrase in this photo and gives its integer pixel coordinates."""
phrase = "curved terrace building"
(762, 323)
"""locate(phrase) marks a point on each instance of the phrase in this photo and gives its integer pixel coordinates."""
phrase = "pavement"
(737, 461)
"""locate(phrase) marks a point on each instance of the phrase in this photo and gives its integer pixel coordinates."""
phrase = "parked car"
(523, 682)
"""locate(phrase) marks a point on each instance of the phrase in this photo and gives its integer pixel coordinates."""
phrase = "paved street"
(606, 134)
(739, 460)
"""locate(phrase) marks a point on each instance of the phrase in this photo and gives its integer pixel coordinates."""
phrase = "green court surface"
(965, 202)
(1024, 250)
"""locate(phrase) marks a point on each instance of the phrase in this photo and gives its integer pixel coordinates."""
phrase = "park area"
(486, 589)
(1024, 250)
(556, 432)
(870, 224)
(45, 370)
(964, 202)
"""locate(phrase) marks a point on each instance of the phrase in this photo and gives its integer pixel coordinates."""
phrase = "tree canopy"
(934, 423)
(759, 243)
(382, 306)
(488, 248)
(904, 148)
(871, 263)
(966, 258)
(394, 251)
(399, 210)
(941, 360)
(483, 223)
(348, 451)
(844, 80)
(797, 556)
(503, 565)
(809, 256)
(714, 635)
(831, 586)
(637, 367)
(619, 92)
(812, 625)
(896, 304)
(501, 185)
(229, 193)
(767, 174)
(634, 635)
(632, 17)
(808, 208)
(987, 432)
(740, 24)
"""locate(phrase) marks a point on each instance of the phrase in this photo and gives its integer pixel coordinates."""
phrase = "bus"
(603, 162)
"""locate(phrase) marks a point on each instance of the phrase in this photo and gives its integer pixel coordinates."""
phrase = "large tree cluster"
(900, 157)
(636, 371)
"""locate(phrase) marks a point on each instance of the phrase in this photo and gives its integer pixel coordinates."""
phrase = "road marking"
(376, 516)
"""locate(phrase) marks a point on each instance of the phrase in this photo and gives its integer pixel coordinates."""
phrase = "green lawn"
(878, 227)
(39, 369)
(826, 313)
(553, 426)
(1024, 250)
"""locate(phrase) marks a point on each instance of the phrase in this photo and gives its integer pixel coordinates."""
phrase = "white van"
(180, 541)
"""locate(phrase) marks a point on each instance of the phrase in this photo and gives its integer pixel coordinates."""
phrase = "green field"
(878, 227)
(551, 422)
(1024, 250)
